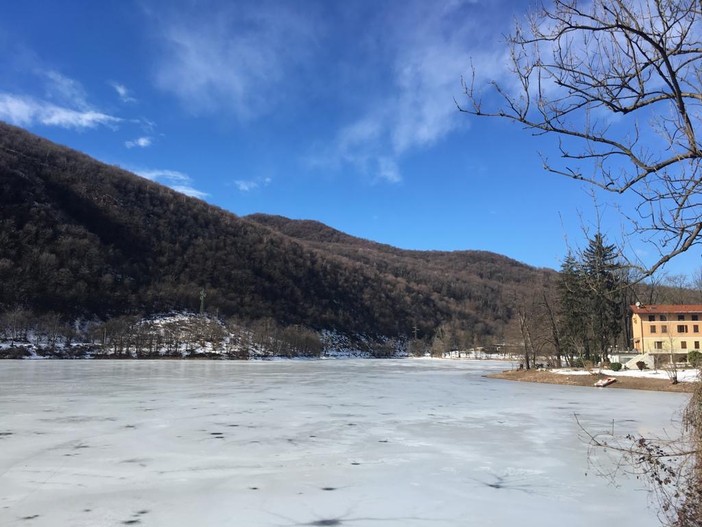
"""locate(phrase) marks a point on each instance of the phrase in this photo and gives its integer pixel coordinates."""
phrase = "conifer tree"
(573, 306)
(591, 291)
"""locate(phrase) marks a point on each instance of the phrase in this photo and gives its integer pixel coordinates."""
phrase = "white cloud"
(141, 142)
(172, 176)
(426, 51)
(26, 111)
(244, 185)
(65, 91)
(190, 191)
(123, 92)
(178, 181)
(64, 105)
(388, 170)
(147, 125)
(234, 57)
(397, 69)
(368, 129)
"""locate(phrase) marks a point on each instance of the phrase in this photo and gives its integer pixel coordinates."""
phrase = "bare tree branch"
(619, 82)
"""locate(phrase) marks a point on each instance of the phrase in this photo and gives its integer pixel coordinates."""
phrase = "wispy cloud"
(64, 91)
(427, 49)
(172, 176)
(140, 142)
(65, 104)
(178, 181)
(234, 56)
(247, 185)
(388, 170)
(27, 111)
(400, 65)
(189, 191)
(122, 92)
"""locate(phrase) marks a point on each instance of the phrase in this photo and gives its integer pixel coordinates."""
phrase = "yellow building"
(666, 328)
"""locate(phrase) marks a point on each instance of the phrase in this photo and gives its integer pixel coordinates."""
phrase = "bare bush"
(671, 467)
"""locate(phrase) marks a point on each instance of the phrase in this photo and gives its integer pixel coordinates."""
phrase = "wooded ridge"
(88, 240)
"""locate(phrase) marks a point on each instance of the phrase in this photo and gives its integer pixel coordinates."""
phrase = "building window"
(682, 328)
(651, 318)
(663, 318)
(664, 329)
(697, 344)
(658, 344)
(695, 328)
(653, 329)
(683, 345)
(694, 317)
(681, 317)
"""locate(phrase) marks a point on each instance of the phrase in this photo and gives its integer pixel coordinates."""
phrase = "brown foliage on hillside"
(82, 238)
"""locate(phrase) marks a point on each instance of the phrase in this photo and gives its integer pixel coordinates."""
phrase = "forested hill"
(467, 266)
(82, 238)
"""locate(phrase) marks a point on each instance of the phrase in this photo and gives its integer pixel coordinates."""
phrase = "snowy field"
(396, 443)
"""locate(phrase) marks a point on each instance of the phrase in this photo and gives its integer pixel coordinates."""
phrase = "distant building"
(666, 328)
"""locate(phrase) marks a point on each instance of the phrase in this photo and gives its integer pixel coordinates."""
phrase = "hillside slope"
(482, 285)
(82, 238)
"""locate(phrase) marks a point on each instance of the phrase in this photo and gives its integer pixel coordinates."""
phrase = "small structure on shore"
(602, 383)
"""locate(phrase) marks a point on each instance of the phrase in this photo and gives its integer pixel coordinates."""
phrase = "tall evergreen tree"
(602, 272)
(591, 290)
(573, 297)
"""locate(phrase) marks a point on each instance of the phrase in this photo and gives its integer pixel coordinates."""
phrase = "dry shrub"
(672, 468)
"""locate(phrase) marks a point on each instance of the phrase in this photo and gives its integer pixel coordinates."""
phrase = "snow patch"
(686, 375)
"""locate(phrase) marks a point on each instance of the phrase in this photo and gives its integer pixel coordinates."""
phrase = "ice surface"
(308, 443)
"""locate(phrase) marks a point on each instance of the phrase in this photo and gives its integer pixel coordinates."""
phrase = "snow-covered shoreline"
(683, 375)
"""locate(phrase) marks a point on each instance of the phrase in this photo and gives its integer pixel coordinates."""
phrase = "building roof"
(648, 309)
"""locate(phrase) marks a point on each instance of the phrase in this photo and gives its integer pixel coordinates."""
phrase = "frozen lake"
(396, 443)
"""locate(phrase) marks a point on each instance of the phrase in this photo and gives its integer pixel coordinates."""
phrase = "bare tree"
(554, 326)
(649, 290)
(526, 336)
(696, 280)
(672, 467)
(680, 289)
(538, 329)
(619, 83)
(16, 324)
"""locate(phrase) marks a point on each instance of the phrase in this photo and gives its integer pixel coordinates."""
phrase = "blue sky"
(341, 112)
